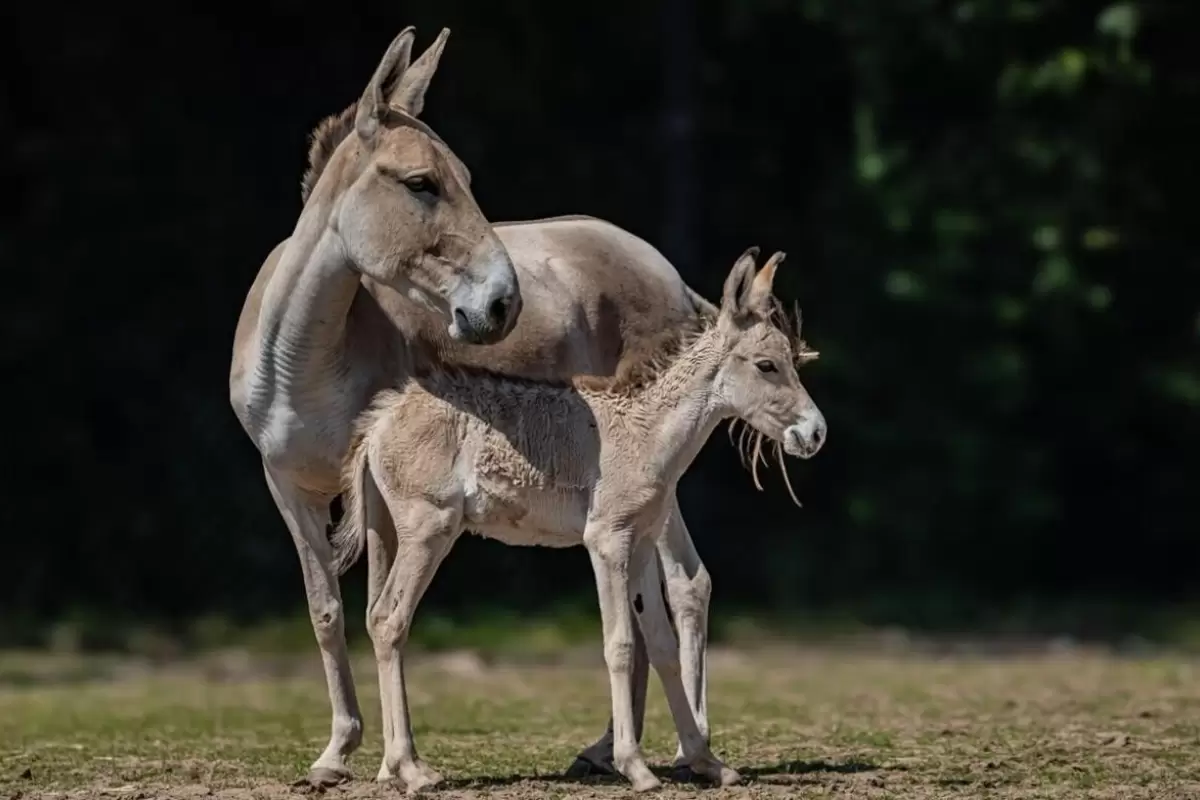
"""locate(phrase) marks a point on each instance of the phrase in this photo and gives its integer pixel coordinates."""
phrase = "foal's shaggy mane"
(641, 365)
(637, 369)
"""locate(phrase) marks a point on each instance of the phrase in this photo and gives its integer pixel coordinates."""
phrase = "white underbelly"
(526, 518)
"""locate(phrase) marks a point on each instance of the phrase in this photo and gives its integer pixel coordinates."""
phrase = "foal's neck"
(680, 406)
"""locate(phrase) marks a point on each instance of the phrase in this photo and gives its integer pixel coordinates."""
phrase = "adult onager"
(390, 256)
(592, 462)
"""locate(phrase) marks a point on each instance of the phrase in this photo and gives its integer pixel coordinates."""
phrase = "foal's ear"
(410, 89)
(738, 282)
(374, 101)
(758, 299)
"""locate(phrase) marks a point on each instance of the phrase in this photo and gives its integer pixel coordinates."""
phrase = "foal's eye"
(766, 366)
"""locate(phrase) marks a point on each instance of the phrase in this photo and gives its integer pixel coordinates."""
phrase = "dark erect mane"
(325, 138)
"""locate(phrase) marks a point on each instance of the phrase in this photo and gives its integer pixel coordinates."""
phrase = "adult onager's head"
(757, 380)
(403, 207)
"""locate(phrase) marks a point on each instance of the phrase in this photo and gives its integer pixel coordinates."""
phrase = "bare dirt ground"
(796, 723)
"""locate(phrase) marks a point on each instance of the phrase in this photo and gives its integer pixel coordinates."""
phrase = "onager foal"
(595, 462)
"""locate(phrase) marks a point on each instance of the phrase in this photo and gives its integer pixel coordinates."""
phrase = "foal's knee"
(328, 623)
(385, 632)
(618, 654)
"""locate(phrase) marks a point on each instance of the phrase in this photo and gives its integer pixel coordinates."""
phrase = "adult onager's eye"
(766, 366)
(419, 184)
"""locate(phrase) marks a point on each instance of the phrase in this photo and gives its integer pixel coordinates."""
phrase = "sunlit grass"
(797, 723)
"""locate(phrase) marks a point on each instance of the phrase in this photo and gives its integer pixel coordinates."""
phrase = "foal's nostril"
(498, 310)
(817, 436)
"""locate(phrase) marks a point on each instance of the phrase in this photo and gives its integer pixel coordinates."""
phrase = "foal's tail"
(350, 538)
(351, 535)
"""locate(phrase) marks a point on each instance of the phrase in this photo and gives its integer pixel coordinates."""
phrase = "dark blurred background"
(987, 206)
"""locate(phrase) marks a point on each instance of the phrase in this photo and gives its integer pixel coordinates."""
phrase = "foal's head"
(404, 209)
(757, 380)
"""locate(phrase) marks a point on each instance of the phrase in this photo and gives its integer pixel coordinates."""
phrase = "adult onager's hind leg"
(307, 516)
(406, 542)
(663, 650)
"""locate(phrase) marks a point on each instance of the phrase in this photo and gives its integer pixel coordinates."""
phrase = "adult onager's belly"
(525, 517)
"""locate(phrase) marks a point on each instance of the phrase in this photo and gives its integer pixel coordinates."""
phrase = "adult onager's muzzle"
(805, 438)
(485, 312)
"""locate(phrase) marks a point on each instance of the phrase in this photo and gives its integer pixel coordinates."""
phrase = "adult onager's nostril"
(498, 311)
(465, 329)
(817, 436)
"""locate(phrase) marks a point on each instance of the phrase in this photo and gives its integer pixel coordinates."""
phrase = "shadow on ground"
(765, 773)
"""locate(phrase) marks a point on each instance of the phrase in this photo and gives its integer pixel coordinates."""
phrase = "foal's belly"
(526, 517)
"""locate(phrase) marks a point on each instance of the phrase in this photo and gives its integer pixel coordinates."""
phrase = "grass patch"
(796, 723)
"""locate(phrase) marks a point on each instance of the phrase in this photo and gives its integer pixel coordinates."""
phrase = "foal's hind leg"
(688, 589)
(424, 534)
(663, 650)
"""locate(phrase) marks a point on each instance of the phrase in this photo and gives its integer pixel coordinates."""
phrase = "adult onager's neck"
(302, 324)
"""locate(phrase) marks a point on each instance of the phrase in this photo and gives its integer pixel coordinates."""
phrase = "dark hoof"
(324, 777)
(682, 773)
(583, 768)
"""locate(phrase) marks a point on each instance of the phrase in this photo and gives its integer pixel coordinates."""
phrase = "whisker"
(737, 443)
(786, 480)
(756, 457)
(743, 452)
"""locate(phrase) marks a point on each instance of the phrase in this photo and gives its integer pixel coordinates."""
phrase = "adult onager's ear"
(410, 90)
(738, 282)
(372, 106)
(758, 299)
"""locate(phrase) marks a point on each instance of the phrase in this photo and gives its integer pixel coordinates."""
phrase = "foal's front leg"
(597, 758)
(609, 549)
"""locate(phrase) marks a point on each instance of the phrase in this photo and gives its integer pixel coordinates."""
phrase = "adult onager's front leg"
(609, 550)
(307, 516)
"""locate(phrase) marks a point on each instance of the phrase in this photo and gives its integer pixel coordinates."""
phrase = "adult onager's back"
(591, 462)
(392, 254)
